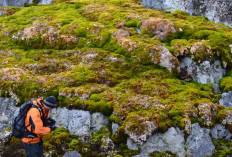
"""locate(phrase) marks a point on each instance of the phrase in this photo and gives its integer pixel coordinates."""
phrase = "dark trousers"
(34, 150)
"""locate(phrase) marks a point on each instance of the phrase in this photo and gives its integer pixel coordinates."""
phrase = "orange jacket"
(36, 124)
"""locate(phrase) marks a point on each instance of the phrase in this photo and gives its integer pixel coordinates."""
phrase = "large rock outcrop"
(198, 144)
(219, 11)
(78, 122)
(20, 3)
(172, 140)
(202, 73)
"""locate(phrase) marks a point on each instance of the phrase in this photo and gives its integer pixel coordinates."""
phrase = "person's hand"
(53, 127)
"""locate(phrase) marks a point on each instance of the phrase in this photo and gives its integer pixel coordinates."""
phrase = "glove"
(51, 122)
(53, 127)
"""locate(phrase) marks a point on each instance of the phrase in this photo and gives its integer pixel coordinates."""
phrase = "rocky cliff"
(219, 11)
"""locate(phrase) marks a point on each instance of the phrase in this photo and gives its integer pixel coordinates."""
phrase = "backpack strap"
(30, 134)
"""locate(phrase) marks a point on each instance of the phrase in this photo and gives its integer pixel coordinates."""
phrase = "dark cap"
(50, 102)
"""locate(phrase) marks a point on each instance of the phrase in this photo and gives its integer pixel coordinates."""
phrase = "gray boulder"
(226, 99)
(203, 73)
(219, 11)
(219, 131)
(7, 110)
(199, 143)
(98, 120)
(72, 154)
(45, 2)
(131, 144)
(172, 140)
(78, 122)
(20, 3)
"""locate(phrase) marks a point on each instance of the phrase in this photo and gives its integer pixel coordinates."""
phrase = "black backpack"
(18, 128)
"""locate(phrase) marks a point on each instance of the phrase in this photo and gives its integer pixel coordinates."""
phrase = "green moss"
(115, 118)
(222, 148)
(180, 14)
(99, 72)
(226, 83)
(162, 154)
(132, 23)
(127, 152)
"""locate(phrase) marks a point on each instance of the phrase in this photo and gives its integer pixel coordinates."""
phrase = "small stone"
(72, 154)
(115, 127)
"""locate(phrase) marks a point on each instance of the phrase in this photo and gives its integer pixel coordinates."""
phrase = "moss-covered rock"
(114, 57)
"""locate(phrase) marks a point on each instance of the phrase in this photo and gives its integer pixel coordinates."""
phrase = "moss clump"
(162, 154)
(226, 83)
(13, 148)
(223, 148)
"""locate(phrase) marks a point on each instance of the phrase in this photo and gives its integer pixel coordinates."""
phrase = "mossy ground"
(69, 50)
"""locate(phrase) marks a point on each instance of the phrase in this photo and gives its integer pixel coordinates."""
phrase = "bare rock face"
(199, 143)
(202, 73)
(226, 99)
(172, 140)
(78, 122)
(20, 3)
(98, 120)
(219, 11)
(219, 131)
(45, 2)
(7, 110)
